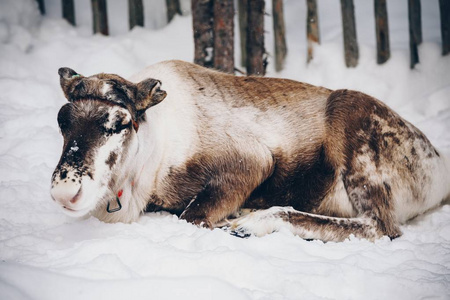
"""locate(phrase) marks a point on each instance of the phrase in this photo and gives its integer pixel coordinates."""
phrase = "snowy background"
(47, 255)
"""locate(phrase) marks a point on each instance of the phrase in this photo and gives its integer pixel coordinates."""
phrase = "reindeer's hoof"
(239, 232)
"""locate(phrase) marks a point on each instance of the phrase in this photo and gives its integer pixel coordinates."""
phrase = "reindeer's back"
(281, 113)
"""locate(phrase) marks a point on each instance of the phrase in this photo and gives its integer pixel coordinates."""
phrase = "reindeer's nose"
(66, 193)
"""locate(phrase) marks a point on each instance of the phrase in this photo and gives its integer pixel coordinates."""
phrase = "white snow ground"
(47, 255)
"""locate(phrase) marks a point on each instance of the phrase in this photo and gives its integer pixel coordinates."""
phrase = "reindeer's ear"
(148, 94)
(67, 79)
(67, 73)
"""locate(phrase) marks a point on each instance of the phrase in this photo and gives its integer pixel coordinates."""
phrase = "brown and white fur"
(325, 164)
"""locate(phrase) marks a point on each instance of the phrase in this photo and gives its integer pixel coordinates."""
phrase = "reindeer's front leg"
(219, 198)
(228, 185)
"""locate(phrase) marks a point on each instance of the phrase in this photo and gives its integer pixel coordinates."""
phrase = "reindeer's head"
(99, 126)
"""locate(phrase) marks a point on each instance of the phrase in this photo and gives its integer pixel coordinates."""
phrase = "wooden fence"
(251, 23)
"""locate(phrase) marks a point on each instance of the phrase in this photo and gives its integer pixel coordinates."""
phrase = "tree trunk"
(173, 8)
(41, 6)
(242, 9)
(100, 16)
(312, 28)
(415, 31)
(135, 13)
(68, 11)
(382, 31)
(444, 6)
(255, 38)
(224, 35)
(349, 28)
(279, 32)
(202, 19)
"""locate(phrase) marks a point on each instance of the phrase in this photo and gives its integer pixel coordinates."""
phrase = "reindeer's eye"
(121, 125)
(116, 128)
(117, 123)
(64, 117)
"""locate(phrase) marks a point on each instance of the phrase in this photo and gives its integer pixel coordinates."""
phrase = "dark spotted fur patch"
(111, 161)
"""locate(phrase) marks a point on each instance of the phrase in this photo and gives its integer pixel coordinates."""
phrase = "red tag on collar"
(119, 193)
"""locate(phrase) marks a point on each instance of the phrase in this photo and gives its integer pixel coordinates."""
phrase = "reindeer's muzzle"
(68, 193)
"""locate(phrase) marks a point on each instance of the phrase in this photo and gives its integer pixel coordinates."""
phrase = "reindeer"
(325, 164)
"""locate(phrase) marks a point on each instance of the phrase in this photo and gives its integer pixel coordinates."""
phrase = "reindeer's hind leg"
(368, 191)
(371, 196)
(305, 225)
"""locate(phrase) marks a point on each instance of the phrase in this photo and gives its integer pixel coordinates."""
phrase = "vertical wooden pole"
(68, 11)
(224, 35)
(382, 31)
(279, 32)
(414, 9)
(349, 28)
(173, 8)
(312, 28)
(41, 5)
(255, 38)
(135, 13)
(202, 22)
(242, 10)
(444, 6)
(415, 31)
(100, 16)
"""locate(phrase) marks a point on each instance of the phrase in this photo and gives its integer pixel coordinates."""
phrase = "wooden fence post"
(444, 6)
(100, 16)
(280, 33)
(242, 11)
(173, 8)
(382, 31)
(135, 13)
(415, 31)
(255, 38)
(68, 11)
(312, 28)
(202, 22)
(224, 35)
(414, 8)
(41, 6)
(349, 28)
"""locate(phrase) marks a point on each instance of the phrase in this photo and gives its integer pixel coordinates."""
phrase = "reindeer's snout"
(68, 192)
